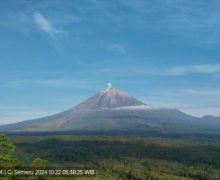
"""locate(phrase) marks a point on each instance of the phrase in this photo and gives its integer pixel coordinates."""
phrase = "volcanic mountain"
(114, 110)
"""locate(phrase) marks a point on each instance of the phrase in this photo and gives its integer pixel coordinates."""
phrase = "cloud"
(44, 24)
(192, 109)
(203, 68)
(201, 93)
(18, 114)
(213, 69)
(58, 83)
(202, 110)
(117, 48)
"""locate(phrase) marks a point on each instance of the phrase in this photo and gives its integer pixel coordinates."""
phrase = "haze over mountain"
(112, 109)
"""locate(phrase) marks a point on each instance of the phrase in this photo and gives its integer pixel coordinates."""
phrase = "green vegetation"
(6, 150)
(123, 157)
(38, 163)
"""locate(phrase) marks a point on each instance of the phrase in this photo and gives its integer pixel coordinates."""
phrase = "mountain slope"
(109, 98)
(113, 109)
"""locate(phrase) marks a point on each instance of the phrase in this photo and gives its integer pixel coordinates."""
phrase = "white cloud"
(18, 115)
(117, 48)
(202, 110)
(58, 83)
(203, 68)
(201, 93)
(192, 109)
(44, 24)
(211, 69)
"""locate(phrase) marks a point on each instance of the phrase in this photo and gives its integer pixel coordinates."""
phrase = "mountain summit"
(114, 110)
(107, 99)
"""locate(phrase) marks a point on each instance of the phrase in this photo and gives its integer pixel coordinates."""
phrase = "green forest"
(123, 157)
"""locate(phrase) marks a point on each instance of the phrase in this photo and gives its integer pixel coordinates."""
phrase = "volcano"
(114, 110)
(108, 99)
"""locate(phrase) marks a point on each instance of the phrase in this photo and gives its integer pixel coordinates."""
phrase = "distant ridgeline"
(114, 110)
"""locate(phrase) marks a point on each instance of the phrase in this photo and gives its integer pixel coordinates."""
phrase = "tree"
(38, 163)
(6, 150)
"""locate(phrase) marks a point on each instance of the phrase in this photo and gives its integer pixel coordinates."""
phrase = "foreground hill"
(113, 109)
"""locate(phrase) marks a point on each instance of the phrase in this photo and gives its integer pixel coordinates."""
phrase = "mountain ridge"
(113, 109)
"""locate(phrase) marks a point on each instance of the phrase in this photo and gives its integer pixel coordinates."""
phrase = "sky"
(56, 53)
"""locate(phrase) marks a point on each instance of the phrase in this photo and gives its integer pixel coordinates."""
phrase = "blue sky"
(54, 54)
